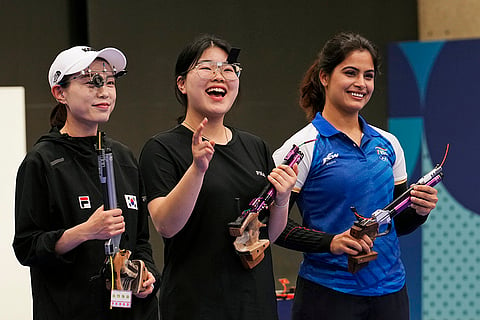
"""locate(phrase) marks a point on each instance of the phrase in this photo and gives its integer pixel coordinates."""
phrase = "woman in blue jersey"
(198, 176)
(350, 163)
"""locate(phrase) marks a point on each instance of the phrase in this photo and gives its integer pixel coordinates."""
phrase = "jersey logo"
(84, 202)
(131, 202)
(331, 156)
(382, 153)
(260, 173)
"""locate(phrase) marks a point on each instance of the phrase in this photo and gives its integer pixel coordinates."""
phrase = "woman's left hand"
(283, 178)
(424, 199)
(148, 285)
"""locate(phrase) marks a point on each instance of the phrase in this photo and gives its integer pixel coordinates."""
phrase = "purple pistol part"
(405, 203)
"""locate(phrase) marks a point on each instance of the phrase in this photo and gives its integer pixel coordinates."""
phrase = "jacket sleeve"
(300, 238)
(408, 220)
(34, 240)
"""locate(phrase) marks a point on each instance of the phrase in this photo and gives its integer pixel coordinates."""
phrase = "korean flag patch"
(131, 202)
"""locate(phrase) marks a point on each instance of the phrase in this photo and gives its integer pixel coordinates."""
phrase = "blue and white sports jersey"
(334, 175)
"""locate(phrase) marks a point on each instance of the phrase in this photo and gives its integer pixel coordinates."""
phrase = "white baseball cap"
(78, 58)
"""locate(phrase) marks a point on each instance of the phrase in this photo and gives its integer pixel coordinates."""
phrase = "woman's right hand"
(104, 224)
(202, 151)
(171, 212)
(345, 243)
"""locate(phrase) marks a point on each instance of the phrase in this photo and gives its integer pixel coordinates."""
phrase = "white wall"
(15, 296)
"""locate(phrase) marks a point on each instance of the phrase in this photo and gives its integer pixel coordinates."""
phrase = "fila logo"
(131, 202)
(84, 202)
(260, 173)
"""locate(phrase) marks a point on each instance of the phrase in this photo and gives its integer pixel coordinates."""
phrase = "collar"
(327, 130)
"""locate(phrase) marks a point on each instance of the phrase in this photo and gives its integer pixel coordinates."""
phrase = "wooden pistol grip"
(361, 260)
(237, 231)
(370, 230)
(119, 260)
(248, 245)
(253, 255)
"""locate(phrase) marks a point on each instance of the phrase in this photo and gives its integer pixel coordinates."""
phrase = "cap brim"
(82, 57)
(115, 58)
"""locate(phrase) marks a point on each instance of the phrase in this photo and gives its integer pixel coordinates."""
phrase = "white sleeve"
(399, 167)
(308, 133)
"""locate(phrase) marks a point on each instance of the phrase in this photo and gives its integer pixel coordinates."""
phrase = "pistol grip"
(361, 260)
(247, 244)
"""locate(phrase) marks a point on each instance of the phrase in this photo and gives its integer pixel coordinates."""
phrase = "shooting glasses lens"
(208, 69)
(97, 80)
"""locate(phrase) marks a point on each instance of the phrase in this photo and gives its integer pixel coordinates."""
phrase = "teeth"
(360, 95)
(216, 90)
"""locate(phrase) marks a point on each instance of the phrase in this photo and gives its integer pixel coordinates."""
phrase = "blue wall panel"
(434, 100)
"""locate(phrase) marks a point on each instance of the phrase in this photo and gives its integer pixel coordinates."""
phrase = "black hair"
(189, 56)
(58, 115)
(335, 50)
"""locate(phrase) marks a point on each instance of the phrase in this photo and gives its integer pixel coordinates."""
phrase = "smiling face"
(210, 98)
(350, 85)
(87, 105)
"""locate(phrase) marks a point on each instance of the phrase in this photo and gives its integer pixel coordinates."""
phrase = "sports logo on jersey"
(331, 156)
(84, 202)
(382, 153)
(131, 202)
(260, 173)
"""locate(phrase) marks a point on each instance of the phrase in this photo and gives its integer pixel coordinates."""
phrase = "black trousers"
(313, 301)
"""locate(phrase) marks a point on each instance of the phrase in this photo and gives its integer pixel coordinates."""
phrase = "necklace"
(189, 126)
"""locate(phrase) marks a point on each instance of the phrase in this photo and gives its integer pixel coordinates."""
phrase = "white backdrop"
(15, 296)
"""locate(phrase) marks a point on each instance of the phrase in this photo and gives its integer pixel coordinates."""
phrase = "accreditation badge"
(121, 299)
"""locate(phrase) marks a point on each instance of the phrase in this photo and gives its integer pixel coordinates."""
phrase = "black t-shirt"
(203, 277)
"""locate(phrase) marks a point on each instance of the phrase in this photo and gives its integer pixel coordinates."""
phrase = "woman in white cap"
(61, 225)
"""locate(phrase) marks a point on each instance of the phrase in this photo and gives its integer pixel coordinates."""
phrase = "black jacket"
(57, 188)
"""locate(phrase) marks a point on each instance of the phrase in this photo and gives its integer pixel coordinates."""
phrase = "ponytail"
(58, 116)
(312, 93)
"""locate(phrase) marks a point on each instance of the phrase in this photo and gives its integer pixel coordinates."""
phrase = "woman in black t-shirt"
(199, 176)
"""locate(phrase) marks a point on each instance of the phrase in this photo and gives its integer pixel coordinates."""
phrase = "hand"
(345, 243)
(148, 285)
(202, 151)
(103, 225)
(283, 178)
(423, 198)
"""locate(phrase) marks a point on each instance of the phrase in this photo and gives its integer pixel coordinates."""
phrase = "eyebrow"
(351, 67)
